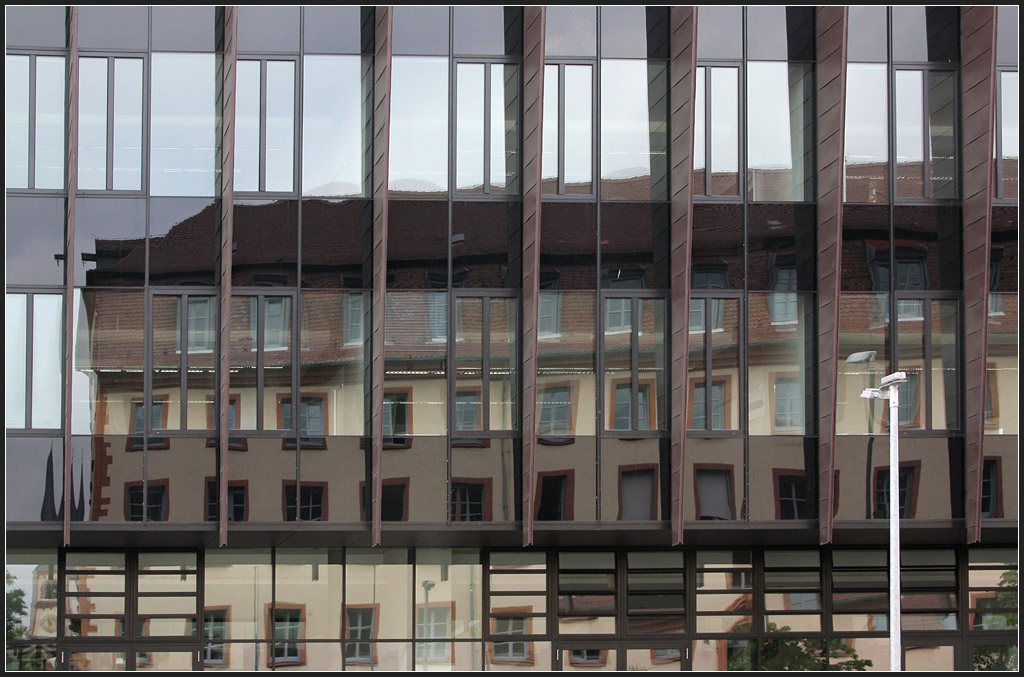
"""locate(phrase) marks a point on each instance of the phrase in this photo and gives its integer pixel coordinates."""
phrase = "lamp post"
(890, 390)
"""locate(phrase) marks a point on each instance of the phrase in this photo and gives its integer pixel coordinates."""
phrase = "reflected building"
(510, 338)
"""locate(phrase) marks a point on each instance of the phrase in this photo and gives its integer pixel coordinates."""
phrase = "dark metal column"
(682, 94)
(226, 91)
(71, 186)
(830, 97)
(978, 106)
(534, 23)
(381, 132)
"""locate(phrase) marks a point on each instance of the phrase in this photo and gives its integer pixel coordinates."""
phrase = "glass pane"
(16, 121)
(113, 27)
(720, 33)
(1009, 133)
(331, 30)
(416, 337)
(378, 594)
(925, 33)
(568, 247)
(421, 30)
(419, 126)
(468, 364)
(247, 126)
(277, 355)
(280, 148)
(333, 340)
(243, 359)
(334, 125)
(783, 480)
(633, 129)
(448, 579)
(566, 485)
(311, 579)
(184, 28)
(868, 37)
(487, 30)
(37, 26)
(552, 132)
(15, 342)
(49, 149)
(504, 361)
(783, 33)
(166, 363)
(700, 130)
(469, 152)
(651, 348)
(945, 381)
(96, 660)
(780, 143)
(238, 584)
(780, 362)
(183, 125)
(618, 341)
(714, 471)
(995, 657)
(866, 160)
(578, 129)
(127, 124)
(47, 359)
(863, 361)
(942, 122)
(636, 31)
(92, 124)
(268, 29)
(35, 479)
(565, 373)
(504, 128)
(910, 177)
(202, 329)
(1002, 369)
(725, 131)
(571, 31)
(724, 400)
(107, 384)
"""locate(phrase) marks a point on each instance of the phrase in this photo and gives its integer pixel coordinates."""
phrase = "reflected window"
(789, 403)
(990, 489)
(202, 326)
(110, 139)
(353, 327)
(555, 418)
(438, 317)
(215, 631)
(906, 481)
(585, 657)
(467, 410)
(549, 314)
(43, 77)
(909, 412)
(783, 306)
(311, 506)
(792, 498)
(638, 491)
(158, 421)
(623, 407)
(468, 500)
(714, 492)
(287, 632)
(700, 406)
(435, 622)
(393, 500)
(237, 508)
(618, 316)
(312, 424)
(552, 501)
(701, 309)
(149, 502)
(394, 416)
(361, 624)
(513, 650)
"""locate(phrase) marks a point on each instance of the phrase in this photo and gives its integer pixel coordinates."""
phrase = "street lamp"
(890, 390)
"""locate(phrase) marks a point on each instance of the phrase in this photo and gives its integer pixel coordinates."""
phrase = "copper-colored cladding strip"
(534, 22)
(830, 40)
(381, 131)
(978, 97)
(682, 93)
(227, 186)
(71, 185)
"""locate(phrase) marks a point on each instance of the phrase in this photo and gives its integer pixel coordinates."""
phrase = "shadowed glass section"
(636, 32)
(35, 480)
(418, 245)
(780, 143)
(266, 247)
(110, 242)
(566, 480)
(183, 241)
(488, 30)
(568, 254)
(781, 253)
(925, 34)
(780, 33)
(486, 244)
(634, 244)
(336, 243)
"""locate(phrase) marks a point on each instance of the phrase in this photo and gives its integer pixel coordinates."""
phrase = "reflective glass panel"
(867, 133)
(183, 125)
(334, 125)
(280, 144)
(636, 31)
(127, 124)
(268, 29)
(863, 361)
(720, 32)
(724, 131)
(378, 595)
(634, 125)
(415, 391)
(47, 340)
(333, 339)
(504, 129)
(247, 125)
(419, 126)
(113, 27)
(571, 31)
(16, 121)
(780, 156)
(15, 342)
(1009, 133)
(779, 363)
(714, 475)
(565, 375)
(420, 30)
(469, 151)
(36, 26)
(92, 124)
(552, 130)
(578, 129)
(867, 34)
(49, 148)
(240, 583)
(332, 30)
(34, 485)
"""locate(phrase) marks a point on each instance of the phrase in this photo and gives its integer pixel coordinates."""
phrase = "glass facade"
(435, 308)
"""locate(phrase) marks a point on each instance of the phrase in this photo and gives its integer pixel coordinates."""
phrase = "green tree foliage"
(785, 653)
(15, 609)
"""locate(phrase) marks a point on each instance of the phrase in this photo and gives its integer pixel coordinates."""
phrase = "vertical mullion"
(110, 123)
(485, 364)
(634, 366)
(261, 318)
(32, 122)
(487, 129)
(183, 361)
(262, 185)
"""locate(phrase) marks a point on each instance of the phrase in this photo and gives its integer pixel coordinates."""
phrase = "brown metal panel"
(830, 40)
(381, 133)
(682, 92)
(534, 22)
(226, 93)
(978, 103)
(71, 185)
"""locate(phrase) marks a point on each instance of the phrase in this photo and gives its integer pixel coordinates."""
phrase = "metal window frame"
(263, 58)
